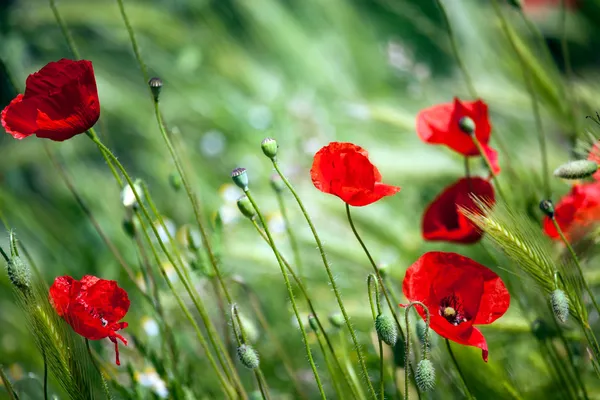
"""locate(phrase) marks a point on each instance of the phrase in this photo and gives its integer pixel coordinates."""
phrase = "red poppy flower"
(459, 293)
(576, 211)
(533, 6)
(595, 156)
(60, 101)
(92, 306)
(344, 170)
(442, 219)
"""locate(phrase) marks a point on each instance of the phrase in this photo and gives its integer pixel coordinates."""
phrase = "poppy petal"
(60, 293)
(494, 301)
(19, 117)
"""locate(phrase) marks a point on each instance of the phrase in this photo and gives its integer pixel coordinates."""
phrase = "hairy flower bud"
(248, 356)
(269, 147)
(336, 319)
(246, 207)
(467, 125)
(240, 178)
(156, 85)
(312, 321)
(576, 169)
(560, 305)
(19, 274)
(386, 329)
(425, 375)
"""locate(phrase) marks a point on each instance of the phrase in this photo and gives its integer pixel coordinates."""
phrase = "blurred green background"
(305, 72)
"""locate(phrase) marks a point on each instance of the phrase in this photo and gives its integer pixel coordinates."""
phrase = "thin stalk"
(241, 338)
(290, 293)
(534, 101)
(104, 384)
(356, 390)
(346, 360)
(290, 233)
(460, 373)
(379, 279)
(65, 31)
(134, 44)
(488, 163)
(407, 342)
(375, 311)
(336, 386)
(215, 342)
(45, 376)
(203, 343)
(336, 291)
(273, 339)
(7, 385)
(576, 260)
(568, 71)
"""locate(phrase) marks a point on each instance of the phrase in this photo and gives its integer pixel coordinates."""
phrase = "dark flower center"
(452, 310)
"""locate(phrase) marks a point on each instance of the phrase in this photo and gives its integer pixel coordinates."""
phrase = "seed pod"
(336, 319)
(156, 85)
(576, 169)
(248, 356)
(240, 178)
(269, 147)
(560, 305)
(425, 375)
(386, 329)
(547, 207)
(19, 274)
(312, 321)
(467, 125)
(246, 207)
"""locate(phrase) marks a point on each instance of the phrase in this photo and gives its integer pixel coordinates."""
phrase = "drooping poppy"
(344, 170)
(442, 221)
(459, 294)
(439, 124)
(60, 101)
(92, 306)
(575, 212)
(595, 156)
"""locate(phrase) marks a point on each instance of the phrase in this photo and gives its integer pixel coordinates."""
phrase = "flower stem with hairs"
(104, 384)
(375, 311)
(407, 342)
(459, 370)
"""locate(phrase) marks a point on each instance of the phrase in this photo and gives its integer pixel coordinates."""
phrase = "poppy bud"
(155, 86)
(129, 227)
(269, 147)
(250, 329)
(467, 125)
(547, 208)
(248, 356)
(386, 329)
(19, 274)
(576, 169)
(383, 270)
(425, 375)
(240, 178)
(560, 305)
(246, 207)
(312, 321)
(175, 181)
(128, 197)
(337, 320)
(277, 183)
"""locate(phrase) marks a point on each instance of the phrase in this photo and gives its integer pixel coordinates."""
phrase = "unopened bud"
(312, 321)
(337, 320)
(576, 169)
(547, 208)
(240, 178)
(250, 328)
(175, 181)
(155, 86)
(425, 375)
(386, 329)
(19, 274)
(269, 147)
(383, 270)
(560, 305)
(246, 207)
(467, 125)
(248, 356)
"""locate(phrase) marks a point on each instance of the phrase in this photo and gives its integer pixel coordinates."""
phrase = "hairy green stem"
(460, 373)
(290, 292)
(7, 385)
(104, 383)
(407, 341)
(336, 291)
(45, 376)
(290, 233)
(330, 367)
(488, 163)
(375, 311)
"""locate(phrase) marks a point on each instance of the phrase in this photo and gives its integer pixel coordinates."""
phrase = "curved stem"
(336, 291)
(290, 293)
(407, 342)
(104, 384)
(356, 391)
(460, 374)
(379, 278)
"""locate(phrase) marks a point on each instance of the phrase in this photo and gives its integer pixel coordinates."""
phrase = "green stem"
(203, 343)
(336, 291)
(290, 232)
(65, 31)
(460, 373)
(330, 368)
(576, 260)
(45, 376)
(379, 278)
(356, 391)
(134, 44)
(290, 292)
(381, 371)
(407, 342)
(488, 163)
(534, 100)
(375, 311)
(104, 384)
(7, 385)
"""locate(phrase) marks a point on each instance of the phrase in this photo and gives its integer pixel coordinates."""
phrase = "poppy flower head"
(459, 293)
(440, 124)
(344, 170)
(60, 101)
(92, 306)
(443, 221)
(575, 212)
